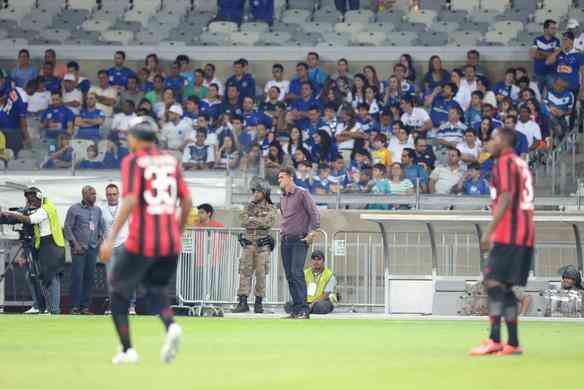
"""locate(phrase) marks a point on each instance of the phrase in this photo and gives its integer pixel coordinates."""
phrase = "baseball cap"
(317, 254)
(175, 108)
(572, 23)
(69, 77)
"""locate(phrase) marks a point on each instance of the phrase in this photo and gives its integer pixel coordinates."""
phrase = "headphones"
(37, 192)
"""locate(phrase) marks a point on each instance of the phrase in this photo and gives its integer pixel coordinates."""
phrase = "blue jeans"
(293, 257)
(54, 296)
(82, 278)
(109, 265)
(342, 5)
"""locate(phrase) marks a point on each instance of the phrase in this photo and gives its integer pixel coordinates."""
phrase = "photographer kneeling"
(49, 246)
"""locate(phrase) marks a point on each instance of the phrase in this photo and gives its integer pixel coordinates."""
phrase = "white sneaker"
(171, 343)
(132, 310)
(121, 358)
(32, 311)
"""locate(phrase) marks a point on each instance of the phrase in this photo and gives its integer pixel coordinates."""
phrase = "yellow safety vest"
(321, 283)
(56, 230)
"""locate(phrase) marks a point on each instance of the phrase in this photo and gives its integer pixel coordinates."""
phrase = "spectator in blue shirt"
(253, 117)
(474, 114)
(24, 71)
(342, 5)
(408, 88)
(185, 70)
(231, 10)
(321, 184)
(57, 119)
(313, 124)
(569, 64)
(323, 149)
(507, 88)
(175, 81)
(559, 102)
(300, 107)
(436, 76)
(13, 109)
(315, 73)
(212, 105)
(52, 83)
(302, 178)
(263, 10)
(232, 103)
(471, 183)
(302, 77)
(119, 74)
(442, 103)
(90, 119)
(521, 145)
(413, 171)
(244, 82)
(60, 154)
(543, 47)
(338, 175)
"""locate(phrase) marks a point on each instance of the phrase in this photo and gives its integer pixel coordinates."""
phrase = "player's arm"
(503, 204)
(186, 202)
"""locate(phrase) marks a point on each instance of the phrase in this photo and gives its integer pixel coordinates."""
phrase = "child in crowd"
(381, 154)
(321, 184)
(471, 183)
(198, 155)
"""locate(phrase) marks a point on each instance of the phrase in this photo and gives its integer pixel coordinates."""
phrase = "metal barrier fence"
(357, 260)
(208, 269)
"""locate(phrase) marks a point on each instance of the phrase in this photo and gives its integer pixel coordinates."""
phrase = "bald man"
(84, 230)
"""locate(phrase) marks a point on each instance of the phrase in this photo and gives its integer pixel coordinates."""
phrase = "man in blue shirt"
(559, 102)
(312, 125)
(57, 119)
(299, 107)
(12, 115)
(569, 64)
(89, 120)
(521, 145)
(315, 73)
(471, 183)
(175, 81)
(232, 103)
(52, 83)
(119, 74)
(302, 77)
(414, 171)
(253, 117)
(185, 70)
(23, 72)
(543, 47)
(507, 88)
(442, 103)
(244, 82)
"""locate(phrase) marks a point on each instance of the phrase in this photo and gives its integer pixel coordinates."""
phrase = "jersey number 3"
(161, 198)
(526, 201)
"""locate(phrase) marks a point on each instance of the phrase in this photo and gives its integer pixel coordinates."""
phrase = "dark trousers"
(82, 278)
(293, 258)
(342, 5)
(323, 307)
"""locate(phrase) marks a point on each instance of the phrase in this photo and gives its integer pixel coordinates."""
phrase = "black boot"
(258, 307)
(242, 305)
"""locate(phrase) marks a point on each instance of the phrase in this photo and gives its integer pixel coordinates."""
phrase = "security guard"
(257, 218)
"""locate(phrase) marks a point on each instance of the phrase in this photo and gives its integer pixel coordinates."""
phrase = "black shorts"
(509, 264)
(130, 270)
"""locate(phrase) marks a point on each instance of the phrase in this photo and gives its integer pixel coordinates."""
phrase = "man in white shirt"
(470, 78)
(283, 85)
(174, 133)
(107, 96)
(470, 147)
(415, 118)
(528, 127)
(444, 178)
(72, 97)
(451, 133)
(109, 211)
(124, 120)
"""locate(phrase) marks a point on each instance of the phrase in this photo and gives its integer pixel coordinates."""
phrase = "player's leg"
(156, 280)
(127, 272)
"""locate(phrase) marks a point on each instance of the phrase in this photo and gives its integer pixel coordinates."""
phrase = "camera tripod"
(33, 271)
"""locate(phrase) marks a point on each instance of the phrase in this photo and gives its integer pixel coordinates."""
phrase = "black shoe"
(86, 311)
(303, 316)
(242, 306)
(258, 306)
(74, 311)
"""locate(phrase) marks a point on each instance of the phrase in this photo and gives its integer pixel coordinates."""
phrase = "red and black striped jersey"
(155, 179)
(511, 174)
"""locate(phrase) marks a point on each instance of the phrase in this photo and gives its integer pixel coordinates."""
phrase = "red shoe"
(487, 347)
(510, 350)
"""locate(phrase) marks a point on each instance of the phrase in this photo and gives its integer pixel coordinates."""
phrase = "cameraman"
(49, 246)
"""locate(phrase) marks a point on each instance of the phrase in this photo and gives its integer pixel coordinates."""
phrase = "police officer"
(257, 218)
(49, 246)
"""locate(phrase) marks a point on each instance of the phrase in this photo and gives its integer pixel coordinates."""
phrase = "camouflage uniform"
(257, 219)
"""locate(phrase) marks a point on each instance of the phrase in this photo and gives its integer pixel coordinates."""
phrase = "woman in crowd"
(372, 79)
(331, 94)
(359, 84)
(371, 99)
(275, 161)
(295, 141)
(393, 93)
(436, 76)
(300, 155)
(152, 63)
(228, 155)
(408, 62)
(323, 150)
(398, 184)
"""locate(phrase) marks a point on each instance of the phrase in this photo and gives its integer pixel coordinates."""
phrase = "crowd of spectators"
(355, 130)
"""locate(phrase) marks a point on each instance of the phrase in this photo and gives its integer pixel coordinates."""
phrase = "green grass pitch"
(75, 352)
